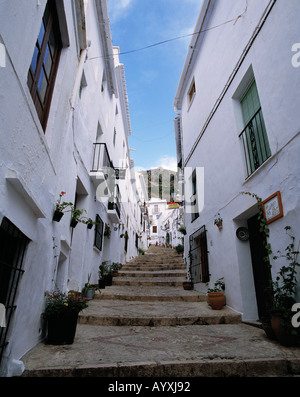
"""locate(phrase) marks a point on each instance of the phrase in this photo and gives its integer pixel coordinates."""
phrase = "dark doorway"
(199, 256)
(12, 250)
(261, 267)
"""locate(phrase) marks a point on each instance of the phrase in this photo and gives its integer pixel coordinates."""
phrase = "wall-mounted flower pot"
(220, 225)
(57, 216)
(89, 225)
(73, 223)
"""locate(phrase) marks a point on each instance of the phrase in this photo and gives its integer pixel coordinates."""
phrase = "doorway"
(199, 257)
(261, 267)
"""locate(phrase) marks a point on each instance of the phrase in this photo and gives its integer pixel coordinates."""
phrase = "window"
(154, 229)
(44, 63)
(98, 233)
(12, 251)
(194, 202)
(192, 92)
(254, 136)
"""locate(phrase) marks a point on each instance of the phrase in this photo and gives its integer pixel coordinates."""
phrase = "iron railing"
(115, 204)
(255, 143)
(12, 251)
(101, 159)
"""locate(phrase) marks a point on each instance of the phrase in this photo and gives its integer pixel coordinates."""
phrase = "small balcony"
(114, 206)
(102, 168)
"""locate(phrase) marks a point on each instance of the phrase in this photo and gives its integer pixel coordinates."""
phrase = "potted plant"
(182, 229)
(60, 207)
(219, 221)
(115, 267)
(107, 230)
(90, 223)
(141, 251)
(284, 289)
(89, 289)
(188, 284)
(179, 249)
(61, 313)
(105, 275)
(76, 216)
(216, 296)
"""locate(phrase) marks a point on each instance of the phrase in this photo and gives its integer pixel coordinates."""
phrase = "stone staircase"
(146, 325)
(136, 296)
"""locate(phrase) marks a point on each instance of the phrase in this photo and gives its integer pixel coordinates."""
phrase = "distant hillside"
(161, 183)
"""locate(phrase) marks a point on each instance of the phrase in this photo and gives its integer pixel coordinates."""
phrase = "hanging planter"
(60, 207)
(219, 222)
(57, 216)
(73, 223)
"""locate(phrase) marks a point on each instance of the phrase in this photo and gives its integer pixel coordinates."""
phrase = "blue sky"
(152, 74)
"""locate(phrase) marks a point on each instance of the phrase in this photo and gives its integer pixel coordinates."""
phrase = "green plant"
(116, 266)
(219, 286)
(263, 228)
(107, 230)
(76, 214)
(141, 251)
(179, 248)
(284, 287)
(182, 229)
(58, 302)
(88, 221)
(104, 269)
(218, 219)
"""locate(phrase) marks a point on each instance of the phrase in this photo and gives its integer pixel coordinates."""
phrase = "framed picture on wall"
(272, 207)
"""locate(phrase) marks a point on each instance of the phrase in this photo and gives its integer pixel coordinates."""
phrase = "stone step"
(149, 281)
(149, 294)
(136, 313)
(151, 267)
(153, 273)
(189, 352)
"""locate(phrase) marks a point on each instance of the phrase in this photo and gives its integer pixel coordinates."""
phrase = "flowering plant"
(218, 219)
(58, 302)
(107, 230)
(219, 286)
(60, 206)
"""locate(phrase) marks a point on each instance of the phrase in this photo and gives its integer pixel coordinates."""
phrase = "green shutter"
(255, 138)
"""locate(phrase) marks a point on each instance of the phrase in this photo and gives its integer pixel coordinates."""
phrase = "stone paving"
(147, 325)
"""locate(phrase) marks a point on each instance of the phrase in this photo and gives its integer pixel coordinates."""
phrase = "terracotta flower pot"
(187, 285)
(284, 337)
(216, 300)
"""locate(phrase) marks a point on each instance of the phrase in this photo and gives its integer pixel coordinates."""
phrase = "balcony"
(114, 206)
(102, 168)
(255, 143)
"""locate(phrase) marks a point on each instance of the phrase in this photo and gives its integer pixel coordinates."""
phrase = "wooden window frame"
(50, 25)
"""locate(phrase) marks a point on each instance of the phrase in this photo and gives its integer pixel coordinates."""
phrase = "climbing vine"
(263, 228)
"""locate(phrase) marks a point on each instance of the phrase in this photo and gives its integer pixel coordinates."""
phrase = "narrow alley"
(147, 325)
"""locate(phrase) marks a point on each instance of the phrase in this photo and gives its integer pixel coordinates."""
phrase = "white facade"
(89, 108)
(237, 46)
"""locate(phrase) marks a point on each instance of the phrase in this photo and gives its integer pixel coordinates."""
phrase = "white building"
(64, 126)
(237, 131)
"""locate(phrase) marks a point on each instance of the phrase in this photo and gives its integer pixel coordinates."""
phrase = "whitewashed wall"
(219, 150)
